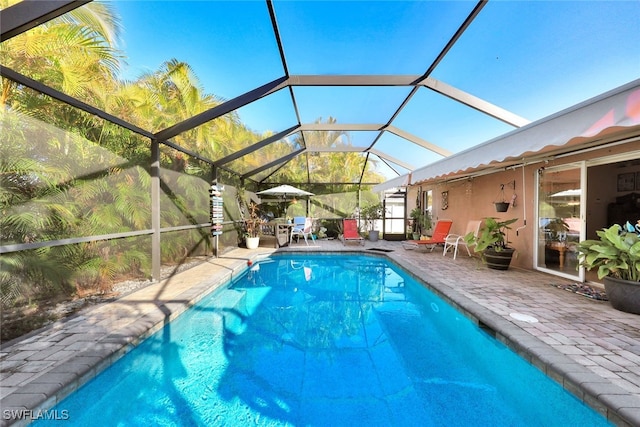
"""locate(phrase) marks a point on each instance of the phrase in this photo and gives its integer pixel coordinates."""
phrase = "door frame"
(584, 202)
(394, 195)
(582, 166)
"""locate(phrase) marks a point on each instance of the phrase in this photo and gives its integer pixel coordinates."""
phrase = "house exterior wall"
(470, 199)
(474, 199)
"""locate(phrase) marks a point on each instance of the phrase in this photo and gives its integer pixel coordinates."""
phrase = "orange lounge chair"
(350, 231)
(440, 233)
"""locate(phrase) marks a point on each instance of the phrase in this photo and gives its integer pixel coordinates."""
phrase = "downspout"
(524, 203)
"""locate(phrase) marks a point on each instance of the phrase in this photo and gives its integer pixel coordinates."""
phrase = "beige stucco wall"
(473, 198)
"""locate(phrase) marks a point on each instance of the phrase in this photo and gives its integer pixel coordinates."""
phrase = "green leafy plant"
(493, 234)
(372, 213)
(556, 228)
(421, 220)
(616, 254)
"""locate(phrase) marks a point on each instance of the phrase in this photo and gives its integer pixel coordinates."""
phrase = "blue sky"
(532, 58)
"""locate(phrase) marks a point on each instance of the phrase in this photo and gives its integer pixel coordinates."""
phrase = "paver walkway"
(586, 345)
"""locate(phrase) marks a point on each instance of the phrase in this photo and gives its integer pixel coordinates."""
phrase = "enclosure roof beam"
(255, 146)
(378, 128)
(419, 141)
(283, 159)
(28, 14)
(222, 109)
(59, 96)
(391, 159)
(276, 33)
(345, 149)
(474, 102)
(341, 126)
(353, 80)
(474, 13)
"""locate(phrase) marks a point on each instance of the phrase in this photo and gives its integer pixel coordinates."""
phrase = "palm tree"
(327, 167)
(67, 53)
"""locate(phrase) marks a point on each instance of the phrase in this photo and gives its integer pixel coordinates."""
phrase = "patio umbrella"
(284, 191)
(567, 193)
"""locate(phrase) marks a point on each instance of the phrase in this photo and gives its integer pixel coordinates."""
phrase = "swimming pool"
(324, 340)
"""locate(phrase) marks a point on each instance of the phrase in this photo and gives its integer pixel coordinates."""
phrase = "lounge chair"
(350, 231)
(302, 226)
(440, 232)
(456, 240)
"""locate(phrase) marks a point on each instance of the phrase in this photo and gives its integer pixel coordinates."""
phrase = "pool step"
(239, 303)
(253, 298)
(230, 304)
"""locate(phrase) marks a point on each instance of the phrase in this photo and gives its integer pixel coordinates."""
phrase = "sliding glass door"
(560, 224)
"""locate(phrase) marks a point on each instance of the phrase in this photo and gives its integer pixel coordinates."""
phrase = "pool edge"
(598, 393)
(52, 387)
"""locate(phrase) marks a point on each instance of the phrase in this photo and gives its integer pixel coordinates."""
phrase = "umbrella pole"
(284, 206)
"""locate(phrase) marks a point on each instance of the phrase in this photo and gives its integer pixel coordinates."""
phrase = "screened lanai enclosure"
(118, 116)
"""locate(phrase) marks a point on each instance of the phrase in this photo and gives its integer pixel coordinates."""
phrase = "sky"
(531, 58)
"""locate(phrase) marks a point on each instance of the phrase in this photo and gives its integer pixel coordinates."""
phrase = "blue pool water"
(324, 340)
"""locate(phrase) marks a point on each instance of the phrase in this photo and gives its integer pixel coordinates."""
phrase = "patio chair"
(350, 231)
(456, 240)
(302, 226)
(440, 232)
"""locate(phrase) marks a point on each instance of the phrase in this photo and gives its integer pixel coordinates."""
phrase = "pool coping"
(608, 399)
(44, 392)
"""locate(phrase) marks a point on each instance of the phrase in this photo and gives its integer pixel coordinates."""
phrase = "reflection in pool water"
(324, 340)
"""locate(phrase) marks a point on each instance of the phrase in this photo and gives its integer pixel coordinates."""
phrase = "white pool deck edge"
(587, 346)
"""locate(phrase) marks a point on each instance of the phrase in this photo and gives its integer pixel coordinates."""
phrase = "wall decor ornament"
(445, 200)
(626, 181)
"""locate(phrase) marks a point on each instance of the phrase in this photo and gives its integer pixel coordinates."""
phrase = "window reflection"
(559, 220)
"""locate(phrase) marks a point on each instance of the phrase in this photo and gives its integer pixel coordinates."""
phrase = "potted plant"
(617, 256)
(557, 229)
(502, 206)
(421, 222)
(417, 215)
(371, 214)
(253, 226)
(501, 203)
(426, 226)
(492, 244)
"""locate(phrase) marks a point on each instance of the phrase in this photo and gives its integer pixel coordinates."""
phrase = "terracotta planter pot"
(624, 295)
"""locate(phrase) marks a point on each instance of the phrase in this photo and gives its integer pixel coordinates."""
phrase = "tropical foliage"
(421, 220)
(253, 222)
(67, 174)
(616, 253)
(371, 213)
(493, 234)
